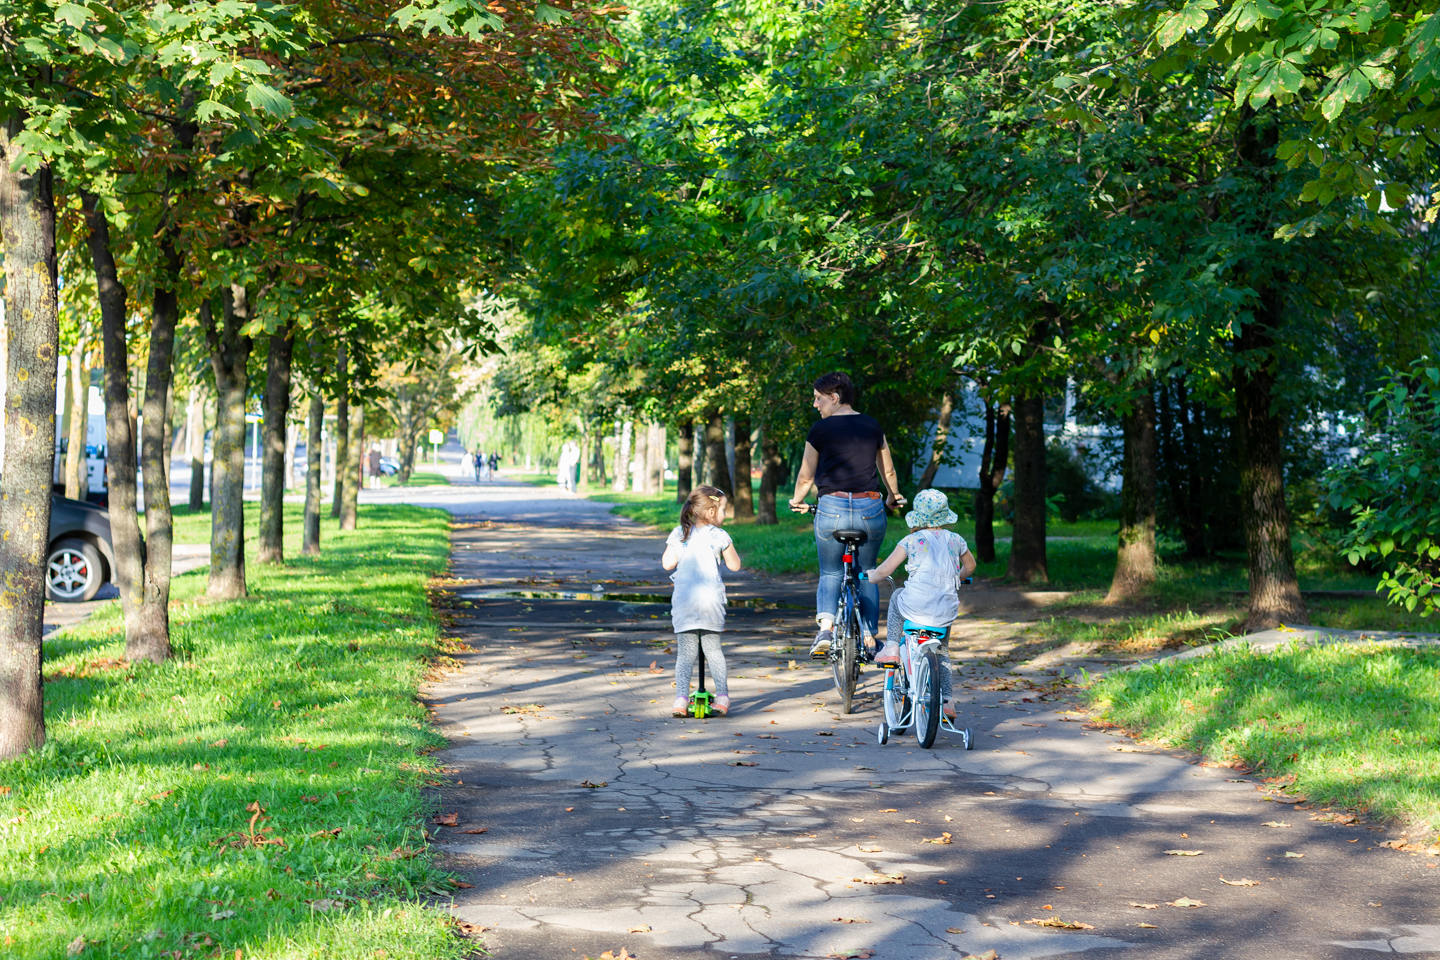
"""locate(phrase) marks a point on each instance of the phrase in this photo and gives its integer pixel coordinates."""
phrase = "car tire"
(73, 571)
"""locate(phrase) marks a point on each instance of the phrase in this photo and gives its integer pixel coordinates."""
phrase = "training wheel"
(883, 734)
(967, 738)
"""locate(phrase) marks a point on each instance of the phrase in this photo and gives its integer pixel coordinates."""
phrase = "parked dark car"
(80, 559)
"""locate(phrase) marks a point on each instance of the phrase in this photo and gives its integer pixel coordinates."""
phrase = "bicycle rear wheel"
(927, 698)
(843, 664)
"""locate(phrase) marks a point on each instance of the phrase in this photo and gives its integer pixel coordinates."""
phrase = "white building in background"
(961, 464)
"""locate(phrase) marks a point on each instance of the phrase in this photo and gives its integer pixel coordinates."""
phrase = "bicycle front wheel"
(843, 661)
(897, 700)
(927, 698)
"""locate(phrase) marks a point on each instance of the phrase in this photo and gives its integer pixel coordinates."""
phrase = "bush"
(1392, 490)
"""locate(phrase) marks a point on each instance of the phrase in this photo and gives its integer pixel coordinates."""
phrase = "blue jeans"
(840, 513)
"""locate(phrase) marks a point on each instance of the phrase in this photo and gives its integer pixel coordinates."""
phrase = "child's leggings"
(687, 650)
(895, 630)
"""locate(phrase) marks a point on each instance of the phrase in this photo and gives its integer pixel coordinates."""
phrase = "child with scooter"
(694, 550)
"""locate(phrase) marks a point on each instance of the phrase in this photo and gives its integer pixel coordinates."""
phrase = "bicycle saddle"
(851, 538)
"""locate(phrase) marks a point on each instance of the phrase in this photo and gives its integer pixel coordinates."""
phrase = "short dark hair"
(837, 383)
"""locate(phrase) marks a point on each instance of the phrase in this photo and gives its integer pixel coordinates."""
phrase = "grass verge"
(259, 795)
(419, 478)
(1346, 724)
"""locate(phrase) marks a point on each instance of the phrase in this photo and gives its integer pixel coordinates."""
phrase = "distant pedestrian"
(567, 469)
(372, 466)
(493, 462)
(476, 461)
(694, 550)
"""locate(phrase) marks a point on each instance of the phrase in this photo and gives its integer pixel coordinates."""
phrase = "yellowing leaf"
(1245, 882)
(1183, 853)
(1061, 924)
(1186, 902)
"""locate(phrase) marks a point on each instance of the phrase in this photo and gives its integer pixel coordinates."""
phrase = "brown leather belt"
(869, 495)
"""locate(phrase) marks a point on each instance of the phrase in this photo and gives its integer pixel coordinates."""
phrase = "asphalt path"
(586, 819)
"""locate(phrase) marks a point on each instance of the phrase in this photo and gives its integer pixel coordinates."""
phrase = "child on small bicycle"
(694, 550)
(938, 560)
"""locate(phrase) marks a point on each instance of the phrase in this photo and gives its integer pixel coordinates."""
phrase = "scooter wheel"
(883, 734)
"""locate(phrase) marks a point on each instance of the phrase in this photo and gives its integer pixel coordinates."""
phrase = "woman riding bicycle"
(845, 457)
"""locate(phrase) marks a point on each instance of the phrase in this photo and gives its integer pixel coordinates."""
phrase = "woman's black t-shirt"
(848, 445)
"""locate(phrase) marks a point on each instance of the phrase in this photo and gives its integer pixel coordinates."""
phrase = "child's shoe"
(680, 708)
(947, 710)
(889, 654)
(721, 705)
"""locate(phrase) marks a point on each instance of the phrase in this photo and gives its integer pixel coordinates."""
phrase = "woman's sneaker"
(821, 646)
(889, 654)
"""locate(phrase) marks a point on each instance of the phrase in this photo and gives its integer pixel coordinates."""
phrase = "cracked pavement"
(588, 819)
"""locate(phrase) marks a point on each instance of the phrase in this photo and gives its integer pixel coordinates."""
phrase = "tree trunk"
(355, 450)
(77, 406)
(129, 572)
(685, 471)
(1135, 556)
(640, 477)
(197, 449)
(313, 464)
(1196, 526)
(744, 492)
(152, 638)
(272, 468)
(1027, 543)
(292, 440)
(942, 439)
(717, 469)
(1274, 588)
(342, 437)
(624, 431)
(229, 355)
(655, 463)
(771, 468)
(27, 223)
(993, 460)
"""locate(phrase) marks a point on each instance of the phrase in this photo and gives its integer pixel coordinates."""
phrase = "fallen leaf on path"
(890, 810)
(446, 819)
(1374, 903)
(743, 763)
(476, 830)
(1185, 902)
(824, 733)
(594, 786)
(1244, 882)
(1274, 823)
(1146, 906)
(847, 920)
(987, 955)
(1183, 853)
(526, 708)
(1293, 855)
(655, 667)
(643, 928)
(462, 885)
(1331, 817)
(1061, 924)
(852, 955)
(953, 930)
(869, 849)
(881, 879)
(943, 838)
(1147, 926)
(624, 954)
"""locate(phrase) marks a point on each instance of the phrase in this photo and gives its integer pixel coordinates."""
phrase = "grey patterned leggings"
(687, 651)
(895, 630)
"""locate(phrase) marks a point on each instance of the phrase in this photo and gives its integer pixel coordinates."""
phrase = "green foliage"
(1353, 725)
(1392, 491)
(132, 828)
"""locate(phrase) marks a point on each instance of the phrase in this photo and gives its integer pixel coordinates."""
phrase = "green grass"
(131, 828)
(1353, 725)
(419, 478)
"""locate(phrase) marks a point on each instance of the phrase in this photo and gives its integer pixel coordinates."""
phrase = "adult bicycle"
(912, 688)
(852, 642)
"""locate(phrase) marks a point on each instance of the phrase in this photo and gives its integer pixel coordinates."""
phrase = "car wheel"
(73, 571)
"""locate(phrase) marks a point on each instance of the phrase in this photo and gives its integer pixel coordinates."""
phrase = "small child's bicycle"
(912, 689)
